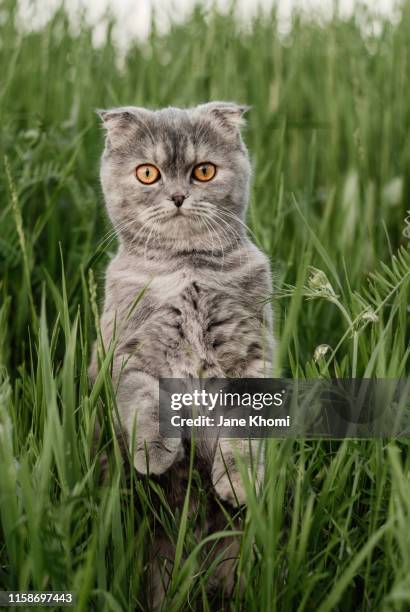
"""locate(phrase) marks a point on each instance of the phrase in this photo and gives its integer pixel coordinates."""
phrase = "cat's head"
(177, 175)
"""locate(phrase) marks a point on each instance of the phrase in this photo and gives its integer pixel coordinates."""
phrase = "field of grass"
(329, 135)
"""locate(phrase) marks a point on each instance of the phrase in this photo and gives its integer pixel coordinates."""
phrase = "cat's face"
(180, 175)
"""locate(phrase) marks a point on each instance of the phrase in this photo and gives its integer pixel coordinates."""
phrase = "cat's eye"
(147, 174)
(204, 171)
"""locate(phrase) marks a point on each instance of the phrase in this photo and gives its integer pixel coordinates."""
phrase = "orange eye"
(147, 174)
(204, 171)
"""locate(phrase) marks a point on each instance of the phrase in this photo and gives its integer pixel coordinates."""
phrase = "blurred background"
(133, 18)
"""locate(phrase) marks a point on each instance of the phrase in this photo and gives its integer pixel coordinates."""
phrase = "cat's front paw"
(231, 489)
(157, 456)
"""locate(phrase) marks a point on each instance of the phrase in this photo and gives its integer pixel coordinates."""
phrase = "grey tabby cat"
(176, 185)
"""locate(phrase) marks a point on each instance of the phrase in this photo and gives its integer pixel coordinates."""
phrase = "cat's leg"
(160, 569)
(226, 475)
(225, 576)
(138, 405)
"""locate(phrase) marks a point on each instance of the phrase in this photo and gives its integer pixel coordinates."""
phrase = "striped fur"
(204, 311)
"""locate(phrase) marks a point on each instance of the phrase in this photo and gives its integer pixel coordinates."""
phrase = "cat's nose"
(178, 199)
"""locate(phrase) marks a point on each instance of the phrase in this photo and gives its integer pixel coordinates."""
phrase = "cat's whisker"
(154, 225)
(238, 220)
(114, 233)
(229, 215)
(115, 230)
(209, 207)
(206, 226)
(209, 230)
(229, 230)
(218, 228)
(219, 240)
(229, 227)
(225, 233)
(151, 224)
(236, 235)
(143, 230)
(154, 210)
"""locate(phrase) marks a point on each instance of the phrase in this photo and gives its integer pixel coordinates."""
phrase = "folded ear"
(227, 113)
(112, 116)
(119, 121)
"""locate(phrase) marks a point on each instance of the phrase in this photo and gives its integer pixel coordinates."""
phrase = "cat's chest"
(188, 289)
(193, 305)
(193, 324)
(169, 287)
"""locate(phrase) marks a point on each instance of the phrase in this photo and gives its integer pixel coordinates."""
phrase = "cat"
(176, 186)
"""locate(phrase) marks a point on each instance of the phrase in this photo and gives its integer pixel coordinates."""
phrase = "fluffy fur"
(204, 309)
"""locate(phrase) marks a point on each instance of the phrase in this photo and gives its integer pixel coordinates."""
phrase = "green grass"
(329, 137)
